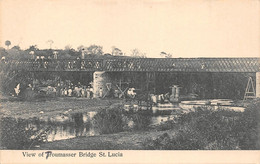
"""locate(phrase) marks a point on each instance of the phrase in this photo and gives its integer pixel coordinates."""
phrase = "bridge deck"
(139, 65)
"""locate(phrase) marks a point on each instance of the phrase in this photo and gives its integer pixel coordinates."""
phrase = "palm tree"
(8, 43)
(50, 42)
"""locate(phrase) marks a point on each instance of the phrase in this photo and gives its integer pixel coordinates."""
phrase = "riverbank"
(202, 129)
(118, 141)
(50, 107)
(71, 121)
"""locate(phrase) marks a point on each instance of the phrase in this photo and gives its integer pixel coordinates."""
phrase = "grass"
(207, 129)
(16, 134)
(30, 109)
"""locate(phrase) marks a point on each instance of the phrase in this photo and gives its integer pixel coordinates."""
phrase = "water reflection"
(67, 126)
(70, 126)
(62, 127)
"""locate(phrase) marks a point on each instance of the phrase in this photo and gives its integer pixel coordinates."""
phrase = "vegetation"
(16, 134)
(115, 120)
(91, 51)
(7, 43)
(109, 121)
(141, 120)
(206, 129)
(202, 129)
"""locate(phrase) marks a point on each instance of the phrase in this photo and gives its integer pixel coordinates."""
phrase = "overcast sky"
(188, 28)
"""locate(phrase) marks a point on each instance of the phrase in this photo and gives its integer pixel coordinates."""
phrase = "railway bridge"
(158, 74)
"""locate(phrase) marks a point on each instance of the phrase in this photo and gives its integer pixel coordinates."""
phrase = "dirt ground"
(117, 141)
(46, 108)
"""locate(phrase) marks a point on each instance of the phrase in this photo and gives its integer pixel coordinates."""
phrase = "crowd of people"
(56, 90)
(75, 91)
(70, 90)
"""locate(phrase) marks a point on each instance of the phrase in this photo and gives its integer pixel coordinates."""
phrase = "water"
(27, 133)
(69, 125)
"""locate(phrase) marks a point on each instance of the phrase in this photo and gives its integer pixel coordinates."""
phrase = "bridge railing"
(54, 65)
(130, 64)
(183, 64)
(137, 64)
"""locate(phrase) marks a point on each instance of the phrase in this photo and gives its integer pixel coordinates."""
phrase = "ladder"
(248, 93)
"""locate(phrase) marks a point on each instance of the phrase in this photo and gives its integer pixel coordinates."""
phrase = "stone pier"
(100, 81)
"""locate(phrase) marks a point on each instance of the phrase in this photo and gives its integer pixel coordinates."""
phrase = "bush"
(142, 120)
(109, 121)
(212, 130)
(248, 127)
(15, 134)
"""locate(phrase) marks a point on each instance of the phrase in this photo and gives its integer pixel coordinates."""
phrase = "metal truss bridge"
(137, 65)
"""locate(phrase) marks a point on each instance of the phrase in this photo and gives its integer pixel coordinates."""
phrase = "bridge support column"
(257, 88)
(100, 80)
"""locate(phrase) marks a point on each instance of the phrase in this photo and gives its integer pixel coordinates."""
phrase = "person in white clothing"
(69, 92)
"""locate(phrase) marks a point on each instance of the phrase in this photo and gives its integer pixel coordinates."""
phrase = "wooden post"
(257, 84)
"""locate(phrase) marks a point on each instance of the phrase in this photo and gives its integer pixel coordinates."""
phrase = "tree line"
(92, 51)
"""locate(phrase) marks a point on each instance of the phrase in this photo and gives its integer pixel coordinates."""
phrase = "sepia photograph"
(94, 78)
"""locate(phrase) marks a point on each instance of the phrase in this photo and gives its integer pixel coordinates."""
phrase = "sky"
(184, 28)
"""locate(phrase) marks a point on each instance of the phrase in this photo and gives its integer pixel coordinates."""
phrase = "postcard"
(149, 81)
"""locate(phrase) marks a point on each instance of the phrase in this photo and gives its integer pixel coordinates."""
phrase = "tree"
(68, 47)
(80, 48)
(137, 54)
(8, 43)
(16, 47)
(70, 51)
(2, 52)
(33, 48)
(165, 55)
(50, 42)
(116, 51)
(94, 50)
(16, 53)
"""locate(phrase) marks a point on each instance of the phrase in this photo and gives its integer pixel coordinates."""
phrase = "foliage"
(15, 134)
(115, 120)
(33, 48)
(94, 50)
(50, 42)
(16, 47)
(9, 80)
(109, 121)
(248, 126)
(206, 129)
(165, 55)
(7, 43)
(141, 120)
(137, 54)
(116, 51)
(3, 52)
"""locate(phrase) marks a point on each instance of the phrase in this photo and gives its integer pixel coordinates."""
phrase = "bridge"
(139, 65)
(211, 73)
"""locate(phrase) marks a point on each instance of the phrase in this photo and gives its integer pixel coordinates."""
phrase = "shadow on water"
(29, 133)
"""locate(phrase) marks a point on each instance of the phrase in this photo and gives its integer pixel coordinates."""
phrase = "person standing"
(70, 92)
(91, 92)
(100, 92)
(83, 91)
(65, 91)
(88, 92)
(58, 88)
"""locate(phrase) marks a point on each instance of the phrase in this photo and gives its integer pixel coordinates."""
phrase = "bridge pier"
(257, 88)
(100, 80)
